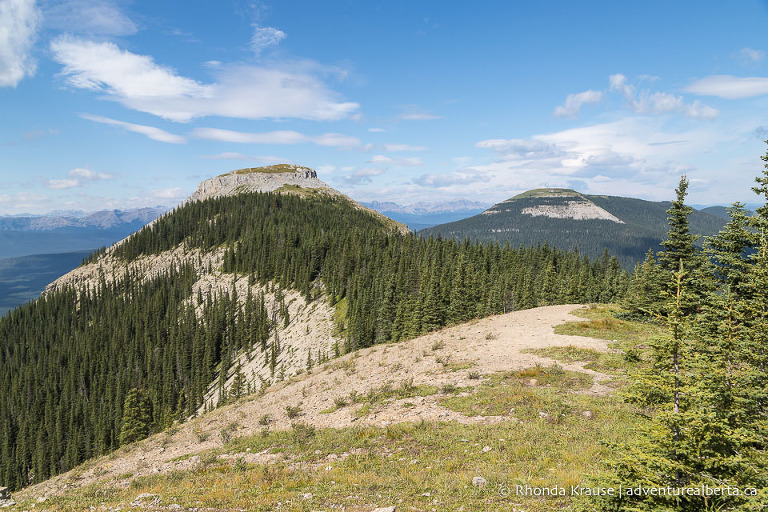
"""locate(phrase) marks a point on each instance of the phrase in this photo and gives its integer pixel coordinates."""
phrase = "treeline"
(82, 368)
(704, 396)
(397, 286)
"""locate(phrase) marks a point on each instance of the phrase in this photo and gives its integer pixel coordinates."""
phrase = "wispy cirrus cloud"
(574, 102)
(93, 17)
(416, 113)
(288, 90)
(396, 148)
(362, 176)
(265, 37)
(62, 184)
(729, 87)
(279, 137)
(397, 162)
(151, 132)
(461, 177)
(19, 22)
(260, 159)
(749, 56)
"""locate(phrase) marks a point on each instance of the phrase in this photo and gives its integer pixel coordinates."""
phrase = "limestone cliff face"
(260, 179)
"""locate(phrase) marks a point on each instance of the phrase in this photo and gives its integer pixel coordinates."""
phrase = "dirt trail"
(444, 357)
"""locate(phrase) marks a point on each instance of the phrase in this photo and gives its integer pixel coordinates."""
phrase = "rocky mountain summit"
(260, 179)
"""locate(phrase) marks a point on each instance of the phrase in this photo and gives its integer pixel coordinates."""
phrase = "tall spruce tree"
(680, 251)
(136, 418)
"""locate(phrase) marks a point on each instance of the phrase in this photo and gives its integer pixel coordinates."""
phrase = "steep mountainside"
(231, 293)
(566, 219)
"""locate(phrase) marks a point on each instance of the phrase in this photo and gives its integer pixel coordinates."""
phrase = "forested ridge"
(71, 362)
(644, 226)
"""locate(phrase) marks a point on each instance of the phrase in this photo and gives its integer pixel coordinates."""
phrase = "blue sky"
(117, 104)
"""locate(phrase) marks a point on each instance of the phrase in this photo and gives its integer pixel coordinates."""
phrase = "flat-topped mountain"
(567, 219)
(261, 179)
(555, 203)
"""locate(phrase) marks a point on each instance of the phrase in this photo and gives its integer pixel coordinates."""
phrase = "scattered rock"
(146, 500)
(479, 482)
(486, 449)
(385, 509)
(543, 415)
(588, 414)
(307, 496)
(533, 382)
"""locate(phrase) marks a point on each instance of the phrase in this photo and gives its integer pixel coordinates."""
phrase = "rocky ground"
(462, 356)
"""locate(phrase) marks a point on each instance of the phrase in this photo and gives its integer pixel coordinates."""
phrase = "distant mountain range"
(64, 232)
(564, 218)
(37, 249)
(423, 214)
(104, 219)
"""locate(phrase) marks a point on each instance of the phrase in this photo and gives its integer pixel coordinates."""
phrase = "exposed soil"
(448, 356)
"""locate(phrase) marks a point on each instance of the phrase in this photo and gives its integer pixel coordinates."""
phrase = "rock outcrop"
(260, 179)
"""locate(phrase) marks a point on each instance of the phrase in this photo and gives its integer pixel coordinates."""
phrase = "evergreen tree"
(136, 423)
(679, 249)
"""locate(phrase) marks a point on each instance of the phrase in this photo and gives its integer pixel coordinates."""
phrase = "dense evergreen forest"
(84, 369)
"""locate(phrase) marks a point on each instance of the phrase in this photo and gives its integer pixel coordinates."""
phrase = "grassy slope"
(547, 438)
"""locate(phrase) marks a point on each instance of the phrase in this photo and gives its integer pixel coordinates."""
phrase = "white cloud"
(168, 193)
(264, 37)
(525, 149)
(749, 56)
(261, 159)
(636, 156)
(394, 148)
(62, 184)
(460, 178)
(78, 177)
(397, 162)
(96, 17)
(89, 175)
(281, 137)
(126, 76)
(573, 103)
(646, 102)
(376, 130)
(362, 176)
(418, 116)
(149, 131)
(19, 21)
(239, 91)
(729, 87)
